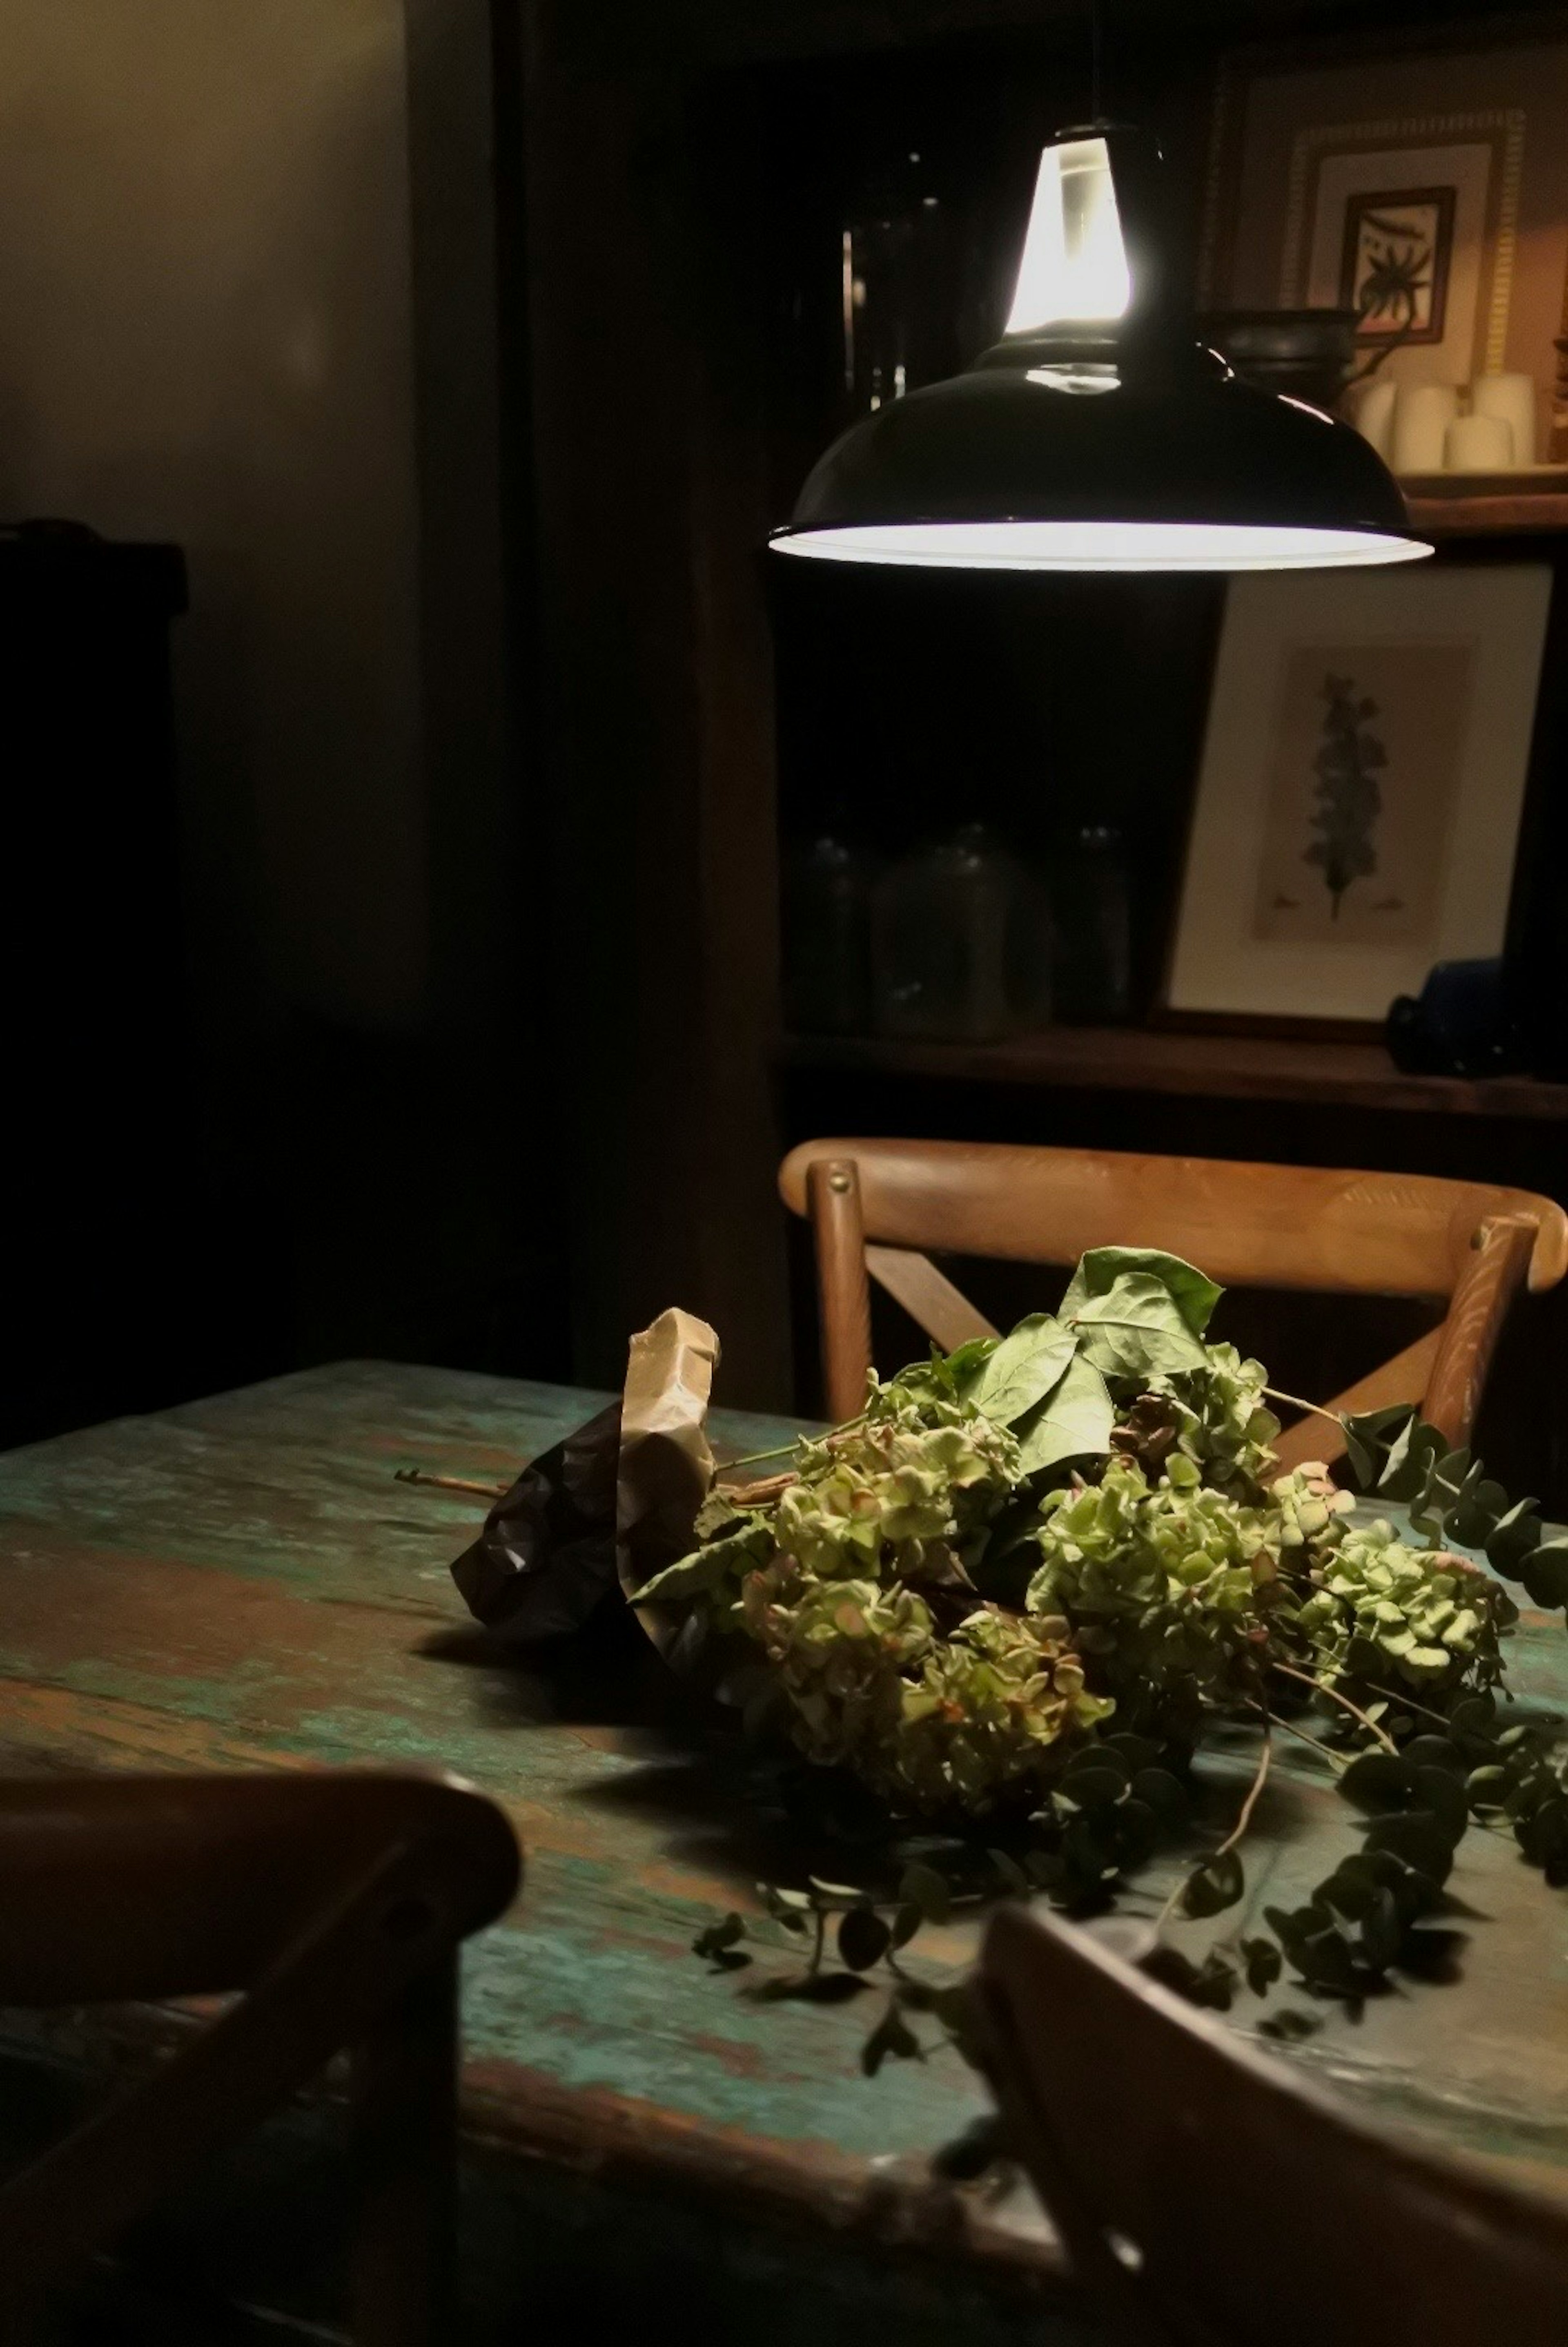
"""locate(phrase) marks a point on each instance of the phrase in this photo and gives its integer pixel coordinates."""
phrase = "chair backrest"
(336, 1900)
(877, 1206)
(1204, 2192)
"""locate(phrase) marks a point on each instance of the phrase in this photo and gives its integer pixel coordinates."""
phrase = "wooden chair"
(337, 1903)
(876, 1207)
(1205, 2193)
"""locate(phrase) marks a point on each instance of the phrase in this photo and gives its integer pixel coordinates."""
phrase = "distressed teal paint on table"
(242, 1582)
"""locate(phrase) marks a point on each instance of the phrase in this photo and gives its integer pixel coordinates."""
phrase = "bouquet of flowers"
(1079, 1530)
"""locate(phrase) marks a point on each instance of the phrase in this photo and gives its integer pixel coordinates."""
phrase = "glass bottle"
(960, 944)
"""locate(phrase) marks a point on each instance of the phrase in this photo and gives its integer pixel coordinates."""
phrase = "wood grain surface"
(241, 1584)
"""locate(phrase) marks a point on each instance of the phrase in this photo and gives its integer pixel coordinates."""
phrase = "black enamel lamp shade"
(1099, 434)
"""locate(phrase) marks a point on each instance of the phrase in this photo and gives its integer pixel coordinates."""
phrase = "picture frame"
(1361, 791)
(1453, 141)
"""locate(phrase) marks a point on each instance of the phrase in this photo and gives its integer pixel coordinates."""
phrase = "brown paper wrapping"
(617, 1500)
(666, 1463)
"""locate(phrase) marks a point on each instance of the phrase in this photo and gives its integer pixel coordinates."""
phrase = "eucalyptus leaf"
(1211, 1985)
(1415, 1836)
(1441, 1792)
(1545, 1573)
(1164, 1793)
(1264, 1964)
(1137, 1330)
(1367, 1436)
(922, 1887)
(906, 1923)
(719, 1938)
(1213, 1886)
(1352, 1887)
(1012, 1873)
(808, 1988)
(864, 1939)
(1434, 1751)
(1414, 1453)
(1381, 1930)
(1324, 1959)
(1023, 1369)
(983, 2143)
(1074, 1422)
(1513, 1537)
(1378, 1782)
(1472, 1520)
(1092, 1788)
(1193, 1294)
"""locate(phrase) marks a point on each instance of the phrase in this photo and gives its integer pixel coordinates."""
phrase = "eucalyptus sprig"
(1018, 1592)
(1395, 1455)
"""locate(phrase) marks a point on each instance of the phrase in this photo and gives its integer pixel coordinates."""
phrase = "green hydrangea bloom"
(934, 1725)
(901, 1495)
(1311, 1512)
(1394, 1615)
(1163, 1582)
(1223, 1424)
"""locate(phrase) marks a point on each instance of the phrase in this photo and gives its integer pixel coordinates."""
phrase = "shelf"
(1213, 1067)
(1518, 513)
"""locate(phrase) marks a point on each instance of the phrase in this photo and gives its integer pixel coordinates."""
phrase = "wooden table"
(241, 1584)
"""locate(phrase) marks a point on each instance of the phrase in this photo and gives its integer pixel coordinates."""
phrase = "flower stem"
(1336, 1759)
(449, 1483)
(1244, 1818)
(787, 1450)
(755, 1458)
(1334, 1696)
(1408, 1703)
(1309, 1409)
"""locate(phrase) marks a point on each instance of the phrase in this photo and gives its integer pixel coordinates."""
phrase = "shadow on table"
(713, 1801)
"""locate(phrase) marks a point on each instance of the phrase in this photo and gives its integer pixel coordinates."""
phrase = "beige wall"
(205, 335)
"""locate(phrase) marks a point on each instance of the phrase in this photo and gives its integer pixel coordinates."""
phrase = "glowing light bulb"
(1074, 264)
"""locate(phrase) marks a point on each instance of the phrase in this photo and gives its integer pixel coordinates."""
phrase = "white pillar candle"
(1372, 413)
(1511, 399)
(1422, 414)
(1478, 443)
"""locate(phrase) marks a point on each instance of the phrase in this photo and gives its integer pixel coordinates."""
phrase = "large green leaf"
(1074, 1422)
(1023, 1369)
(1136, 1330)
(1193, 1294)
(967, 1363)
(709, 1566)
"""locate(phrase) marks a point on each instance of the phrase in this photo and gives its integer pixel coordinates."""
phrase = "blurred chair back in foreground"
(337, 1903)
(1207, 2196)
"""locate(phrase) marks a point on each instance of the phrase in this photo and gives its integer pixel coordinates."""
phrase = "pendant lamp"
(1099, 434)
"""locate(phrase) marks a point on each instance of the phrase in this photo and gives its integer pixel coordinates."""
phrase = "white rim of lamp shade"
(1219, 962)
(1178, 546)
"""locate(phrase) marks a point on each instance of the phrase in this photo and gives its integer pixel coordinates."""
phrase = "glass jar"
(960, 944)
(827, 937)
(896, 266)
(1091, 906)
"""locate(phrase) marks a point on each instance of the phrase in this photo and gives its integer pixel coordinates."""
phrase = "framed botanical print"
(1362, 787)
(1423, 186)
